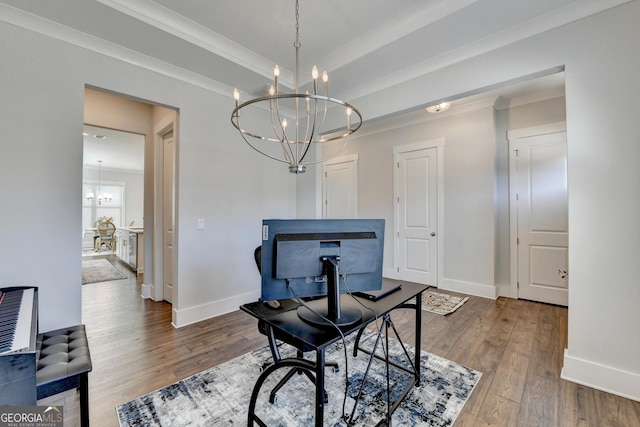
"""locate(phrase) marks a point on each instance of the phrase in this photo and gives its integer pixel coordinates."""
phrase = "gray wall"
(221, 180)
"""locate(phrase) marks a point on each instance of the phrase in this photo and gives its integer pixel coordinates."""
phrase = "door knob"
(433, 234)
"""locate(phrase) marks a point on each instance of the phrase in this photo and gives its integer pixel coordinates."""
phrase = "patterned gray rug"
(220, 396)
(100, 270)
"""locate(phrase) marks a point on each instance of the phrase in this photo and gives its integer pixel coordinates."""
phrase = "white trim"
(155, 229)
(189, 31)
(565, 15)
(537, 130)
(512, 136)
(210, 310)
(438, 144)
(170, 22)
(601, 377)
(412, 20)
(469, 288)
(76, 38)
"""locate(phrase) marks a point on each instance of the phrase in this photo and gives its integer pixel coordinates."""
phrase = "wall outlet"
(200, 223)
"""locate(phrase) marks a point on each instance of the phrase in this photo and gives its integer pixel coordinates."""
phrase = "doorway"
(115, 111)
(113, 190)
(539, 213)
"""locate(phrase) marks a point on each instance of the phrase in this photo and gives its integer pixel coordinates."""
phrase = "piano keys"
(18, 332)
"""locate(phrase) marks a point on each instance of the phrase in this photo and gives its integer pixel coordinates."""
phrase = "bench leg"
(84, 399)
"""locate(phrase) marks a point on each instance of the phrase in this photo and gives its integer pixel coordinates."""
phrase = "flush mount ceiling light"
(439, 108)
(295, 120)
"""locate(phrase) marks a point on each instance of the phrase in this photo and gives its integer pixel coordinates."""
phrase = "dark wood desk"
(287, 322)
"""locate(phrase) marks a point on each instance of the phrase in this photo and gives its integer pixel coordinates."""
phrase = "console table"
(286, 321)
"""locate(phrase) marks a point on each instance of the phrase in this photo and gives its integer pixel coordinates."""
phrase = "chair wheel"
(336, 369)
(273, 399)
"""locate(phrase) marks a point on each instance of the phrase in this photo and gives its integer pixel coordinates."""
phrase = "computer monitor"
(307, 258)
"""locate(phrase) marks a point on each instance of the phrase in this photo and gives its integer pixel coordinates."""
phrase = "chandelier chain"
(297, 44)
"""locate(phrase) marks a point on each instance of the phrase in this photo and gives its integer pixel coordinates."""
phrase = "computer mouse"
(274, 304)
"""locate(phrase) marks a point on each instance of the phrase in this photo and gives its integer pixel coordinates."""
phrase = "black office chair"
(300, 346)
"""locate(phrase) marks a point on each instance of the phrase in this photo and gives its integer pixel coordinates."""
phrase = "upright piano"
(18, 332)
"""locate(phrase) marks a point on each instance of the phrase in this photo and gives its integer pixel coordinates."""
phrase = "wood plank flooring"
(517, 345)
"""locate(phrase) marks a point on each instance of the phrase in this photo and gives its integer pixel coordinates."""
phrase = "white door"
(340, 188)
(538, 182)
(416, 240)
(168, 215)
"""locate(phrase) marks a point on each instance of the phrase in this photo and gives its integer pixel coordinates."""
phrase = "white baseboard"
(469, 288)
(198, 313)
(145, 291)
(601, 377)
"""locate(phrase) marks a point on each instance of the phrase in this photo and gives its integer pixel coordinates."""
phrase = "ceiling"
(116, 149)
(365, 45)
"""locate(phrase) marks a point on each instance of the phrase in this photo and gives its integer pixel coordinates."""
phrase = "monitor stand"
(328, 312)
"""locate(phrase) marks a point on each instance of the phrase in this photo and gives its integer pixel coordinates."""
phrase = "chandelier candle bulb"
(236, 96)
(325, 79)
(314, 76)
(276, 74)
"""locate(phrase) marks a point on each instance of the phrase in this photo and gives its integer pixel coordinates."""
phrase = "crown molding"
(391, 31)
(73, 37)
(170, 22)
(149, 12)
(573, 12)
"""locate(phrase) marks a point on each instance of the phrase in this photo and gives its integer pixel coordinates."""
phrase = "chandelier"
(101, 196)
(283, 126)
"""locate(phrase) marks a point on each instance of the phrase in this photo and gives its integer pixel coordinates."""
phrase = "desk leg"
(320, 387)
(418, 336)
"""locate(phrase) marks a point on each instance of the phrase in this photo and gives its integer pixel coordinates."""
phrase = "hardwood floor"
(517, 345)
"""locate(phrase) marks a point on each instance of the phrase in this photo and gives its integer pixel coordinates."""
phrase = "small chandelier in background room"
(295, 120)
(106, 197)
(439, 108)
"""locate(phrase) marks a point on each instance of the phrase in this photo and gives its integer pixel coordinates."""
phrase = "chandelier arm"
(308, 127)
(284, 140)
(287, 154)
(244, 132)
(262, 152)
(273, 125)
(348, 131)
(336, 154)
(324, 114)
(286, 147)
(309, 137)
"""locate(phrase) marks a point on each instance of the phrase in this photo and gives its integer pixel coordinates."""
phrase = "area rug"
(439, 303)
(220, 396)
(99, 270)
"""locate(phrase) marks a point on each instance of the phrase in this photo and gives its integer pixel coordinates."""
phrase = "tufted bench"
(63, 362)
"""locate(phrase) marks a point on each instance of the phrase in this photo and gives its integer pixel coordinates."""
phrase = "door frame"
(513, 135)
(438, 144)
(156, 288)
